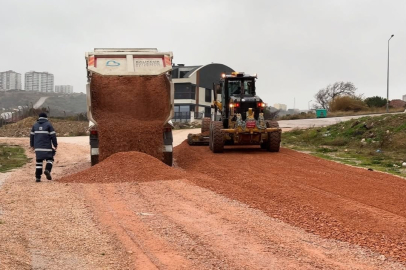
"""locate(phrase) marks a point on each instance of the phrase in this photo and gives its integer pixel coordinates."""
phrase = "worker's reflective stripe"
(47, 132)
(168, 148)
(32, 133)
(42, 149)
(49, 161)
(43, 118)
(39, 163)
(52, 132)
(38, 167)
(94, 151)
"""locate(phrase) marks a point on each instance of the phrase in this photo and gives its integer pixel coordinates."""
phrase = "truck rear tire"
(206, 124)
(94, 159)
(168, 158)
(217, 137)
(274, 138)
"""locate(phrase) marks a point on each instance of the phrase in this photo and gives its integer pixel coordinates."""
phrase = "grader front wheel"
(216, 137)
(274, 138)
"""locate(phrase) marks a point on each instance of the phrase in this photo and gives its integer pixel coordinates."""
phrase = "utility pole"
(387, 80)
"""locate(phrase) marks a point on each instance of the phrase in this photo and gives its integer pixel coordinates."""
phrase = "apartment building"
(65, 89)
(10, 80)
(39, 81)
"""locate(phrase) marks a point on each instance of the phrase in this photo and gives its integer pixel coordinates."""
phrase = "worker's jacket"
(42, 138)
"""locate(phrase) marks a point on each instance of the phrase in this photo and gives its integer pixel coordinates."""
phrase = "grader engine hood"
(246, 99)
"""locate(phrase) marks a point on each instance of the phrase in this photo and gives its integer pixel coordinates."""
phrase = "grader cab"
(238, 117)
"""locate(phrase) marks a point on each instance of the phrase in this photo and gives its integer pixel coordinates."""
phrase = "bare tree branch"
(327, 94)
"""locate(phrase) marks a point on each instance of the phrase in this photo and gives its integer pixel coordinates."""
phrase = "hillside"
(372, 142)
(57, 102)
(63, 128)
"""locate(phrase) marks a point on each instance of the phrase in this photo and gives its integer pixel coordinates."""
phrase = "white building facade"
(10, 80)
(65, 89)
(39, 81)
(194, 90)
(282, 107)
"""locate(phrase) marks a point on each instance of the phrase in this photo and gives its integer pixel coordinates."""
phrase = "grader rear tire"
(217, 137)
(274, 138)
(206, 124)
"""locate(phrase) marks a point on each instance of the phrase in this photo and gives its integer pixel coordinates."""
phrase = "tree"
(375, 101)
(347, 103)
(326, 95)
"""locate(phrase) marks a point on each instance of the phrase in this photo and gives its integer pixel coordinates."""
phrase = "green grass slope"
(372, 142)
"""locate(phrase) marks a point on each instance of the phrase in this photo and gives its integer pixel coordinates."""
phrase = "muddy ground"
(238, 210)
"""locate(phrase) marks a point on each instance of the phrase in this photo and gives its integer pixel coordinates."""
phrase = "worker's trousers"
(38, 167)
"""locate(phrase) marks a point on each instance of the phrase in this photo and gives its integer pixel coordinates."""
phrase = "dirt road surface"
(236, 210)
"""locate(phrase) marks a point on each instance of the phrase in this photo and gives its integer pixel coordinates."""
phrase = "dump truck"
(237, 118)
(115, 63)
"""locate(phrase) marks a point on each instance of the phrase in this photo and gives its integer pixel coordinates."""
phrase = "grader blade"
(198, 139)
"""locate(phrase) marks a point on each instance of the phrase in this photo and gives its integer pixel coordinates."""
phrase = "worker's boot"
(37, 179)
(48, 174)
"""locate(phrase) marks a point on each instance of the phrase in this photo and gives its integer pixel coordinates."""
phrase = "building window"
(182, 73)
(207, 96)
(185, 91)
(207, 112)
(182, 113)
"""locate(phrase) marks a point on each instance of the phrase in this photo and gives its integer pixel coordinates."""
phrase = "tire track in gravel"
(145, 250)
(330, 199)
(47, 225)
(177, 225)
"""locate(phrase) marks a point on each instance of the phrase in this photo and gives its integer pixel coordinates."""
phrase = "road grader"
(237, 117)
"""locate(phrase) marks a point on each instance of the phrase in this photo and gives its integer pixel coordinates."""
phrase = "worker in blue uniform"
(42, 138)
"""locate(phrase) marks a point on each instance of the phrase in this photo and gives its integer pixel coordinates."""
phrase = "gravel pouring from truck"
(130, 101)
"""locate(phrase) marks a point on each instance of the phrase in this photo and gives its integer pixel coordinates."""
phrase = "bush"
(375, 101)
(347, 103)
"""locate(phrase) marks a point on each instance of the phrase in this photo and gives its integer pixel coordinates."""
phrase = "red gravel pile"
(130, 112)
(323, 197)
(126, 167)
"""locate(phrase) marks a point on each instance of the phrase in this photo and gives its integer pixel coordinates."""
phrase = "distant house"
(397, 103)
(282, 107)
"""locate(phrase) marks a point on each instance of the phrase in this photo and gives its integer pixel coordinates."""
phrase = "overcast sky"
(296, 47)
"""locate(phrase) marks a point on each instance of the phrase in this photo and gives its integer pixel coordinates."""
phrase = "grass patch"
(11, 157)
(369, 111)
(377, 142)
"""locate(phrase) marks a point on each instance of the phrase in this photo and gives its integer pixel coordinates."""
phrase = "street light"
(387, 79)
(308, 104)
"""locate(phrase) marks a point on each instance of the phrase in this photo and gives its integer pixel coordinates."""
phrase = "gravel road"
(237, 210)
